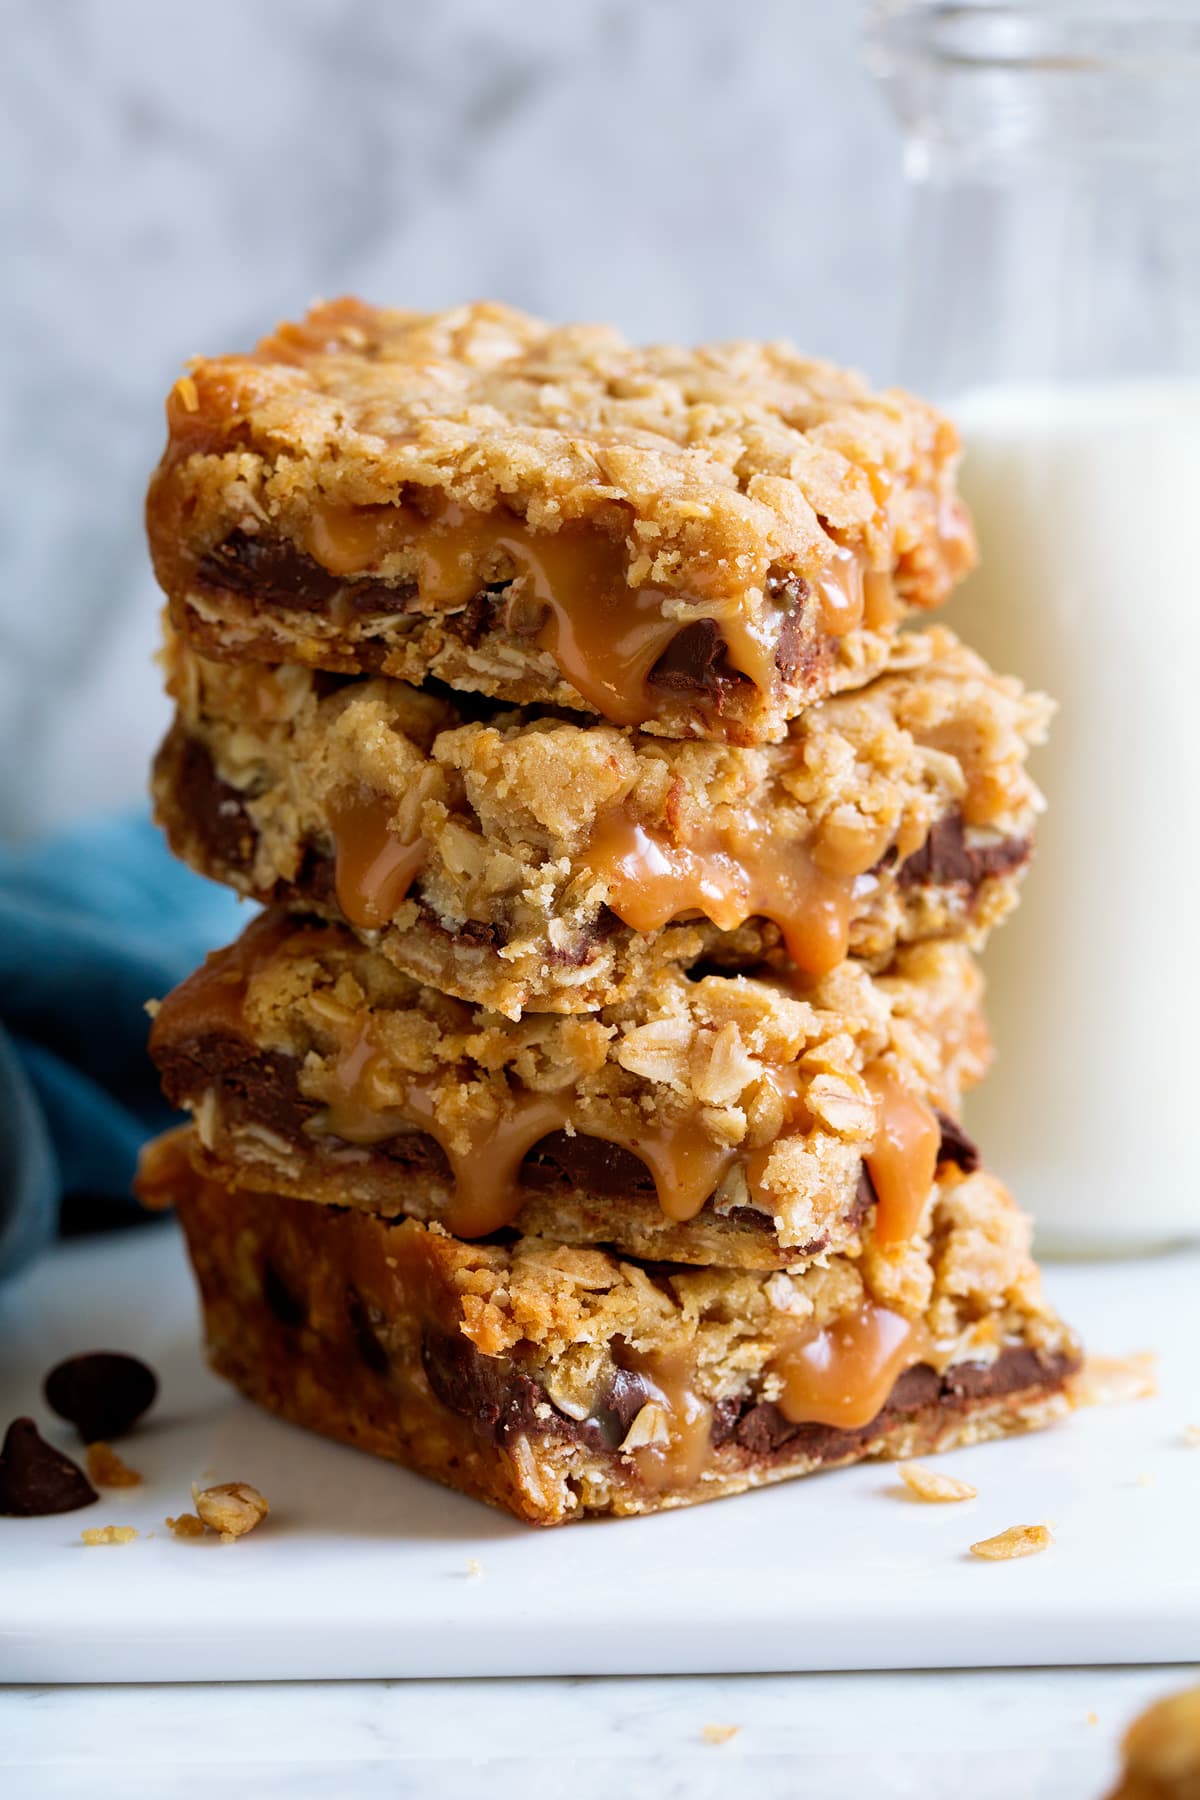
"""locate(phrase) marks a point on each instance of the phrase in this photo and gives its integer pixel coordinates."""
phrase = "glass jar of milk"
(1053, 305)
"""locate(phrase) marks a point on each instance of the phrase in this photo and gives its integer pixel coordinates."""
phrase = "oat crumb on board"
(106, 1469)
(233, 1508)
(187, 1525)
(932, 1485)
(1018, 1540)
(720, 1734)
(109, 1534)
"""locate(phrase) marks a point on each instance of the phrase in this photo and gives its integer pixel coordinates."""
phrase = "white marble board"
(364, 1570)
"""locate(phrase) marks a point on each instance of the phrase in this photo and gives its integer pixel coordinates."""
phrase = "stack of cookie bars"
(578, 1123)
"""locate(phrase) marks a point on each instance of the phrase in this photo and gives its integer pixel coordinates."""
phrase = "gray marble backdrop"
(174, 177)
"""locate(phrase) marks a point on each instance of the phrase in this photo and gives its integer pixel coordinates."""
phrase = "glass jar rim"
(1068, 37)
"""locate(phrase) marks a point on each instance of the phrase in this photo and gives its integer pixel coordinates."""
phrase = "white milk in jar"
(1087, 504)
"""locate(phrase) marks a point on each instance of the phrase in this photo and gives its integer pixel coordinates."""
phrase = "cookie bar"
(537, 862)
(558, 1382)
(700, 542)
(726, 1119)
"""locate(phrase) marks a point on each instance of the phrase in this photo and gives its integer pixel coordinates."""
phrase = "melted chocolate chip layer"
(261, 1087)
(502, 1404)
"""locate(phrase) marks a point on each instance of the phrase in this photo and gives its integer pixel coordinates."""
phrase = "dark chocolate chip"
(273, 572)
(102, 1393)
(946, 859)
(279, 1297)
(628, 1392)
(585, 1162)
(255, 1084)
(501, 1402)
(364, 1323)
(694, 660)
(956, 1146)
(802, 647)
(36, 1479)
(865, 1198)
(473, 934)
(215, 809)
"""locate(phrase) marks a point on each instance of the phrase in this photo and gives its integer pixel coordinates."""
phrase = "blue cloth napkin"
(93, 923)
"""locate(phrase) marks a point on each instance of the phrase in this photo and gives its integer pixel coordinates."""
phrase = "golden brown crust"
(511, 908)
(724, 471)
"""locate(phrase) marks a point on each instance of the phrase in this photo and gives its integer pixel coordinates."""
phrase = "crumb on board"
(720, 1734)
(109, 1534)
(232, 1508)
(1090, 1717)
(187, 1525)
(1115, 1380)
(1191, 1436)
(474, 1569)
(932, 1485)
(107, 1470)
(1018, 1540)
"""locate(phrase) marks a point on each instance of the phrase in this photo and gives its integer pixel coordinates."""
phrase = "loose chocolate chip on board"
(102, 1393)
(36, 1479)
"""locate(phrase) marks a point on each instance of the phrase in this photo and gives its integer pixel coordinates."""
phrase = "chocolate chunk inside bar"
(723, 1119)
(557, 1382)
(536, 862)
(699, 542)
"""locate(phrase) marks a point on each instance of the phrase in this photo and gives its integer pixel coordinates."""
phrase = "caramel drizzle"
(577, 602)
(366, 1104)
(680, 1448)
(841, 593)
(485, 1155)
(730, 871)
(373, 867)
(842, 1374)
(367, 1100)
(903, 1158)
(604, 635)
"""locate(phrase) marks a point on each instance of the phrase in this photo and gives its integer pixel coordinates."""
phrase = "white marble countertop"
(1010, 1735)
